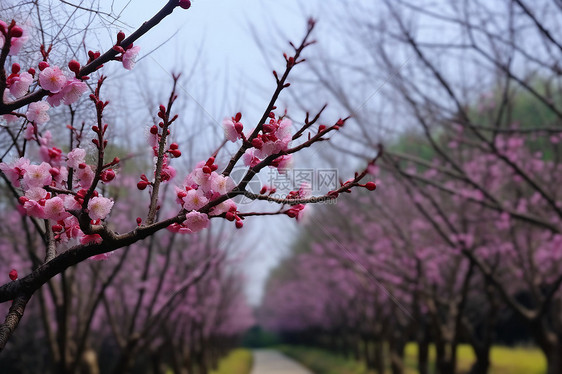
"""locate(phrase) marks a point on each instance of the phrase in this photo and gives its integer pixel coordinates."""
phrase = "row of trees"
(466, 223)
(167, 302)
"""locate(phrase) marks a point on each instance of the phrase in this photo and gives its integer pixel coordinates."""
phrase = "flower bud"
(74, 66)
(185, 4)
(13, 274)
(43, 65)
(371, 186)
(16, 32)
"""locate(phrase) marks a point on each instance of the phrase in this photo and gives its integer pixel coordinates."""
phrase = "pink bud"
(257, 143)
(239, 224)
(238, 127)
(371, 186)
(74, 66)
(185, 4)
(15, 68)
(120, 37)
(43, 65)
(16, 32)
(13, 274)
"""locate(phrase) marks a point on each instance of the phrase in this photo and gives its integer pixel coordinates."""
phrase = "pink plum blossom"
(196, 221)
(36, 193)
(99, 207)
(130, 56)
(37, 112)
(10, 118)
(29, 132)
(229, 130)
(15, 43)
(16, 170)
(34, 209)
(69, 94)
(85, 176)
(54, 209)
(194, 200)
(37, 175)
(223, 207)
(250, 158)
(52, 79)
(221, 184)
(20, 84)
(75, 157)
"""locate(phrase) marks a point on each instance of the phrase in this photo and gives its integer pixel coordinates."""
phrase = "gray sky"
(219, 34)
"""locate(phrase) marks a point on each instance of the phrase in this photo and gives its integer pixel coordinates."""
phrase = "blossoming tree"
(63, 196)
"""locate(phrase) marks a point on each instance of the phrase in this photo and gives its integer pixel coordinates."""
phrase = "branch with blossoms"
(65, 192)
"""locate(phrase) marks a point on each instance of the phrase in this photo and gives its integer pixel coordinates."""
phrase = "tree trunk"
(423, 352)
(554, 359)
(378, 357)
(482, 363)
(396, 347)
(89, 362)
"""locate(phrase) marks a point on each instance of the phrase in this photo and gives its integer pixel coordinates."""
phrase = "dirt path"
(268, 361)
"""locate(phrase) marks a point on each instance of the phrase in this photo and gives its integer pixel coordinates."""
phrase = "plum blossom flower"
(85, 176)
(99, 207)
(179, 229)
(283, 163)
(196, 221)
(37, 175)
(37, 112)
(221, 184)
(52, 79)
(75, 157)
(69, 94)
(29, 132)
(16, 170)
(130, 56)
(10, 118)
(54, 209)
(34, 209)
(36, 194)
(16, 42)
(223, 207)
(250, 159)
(194, 200)
(20, 84)
(230, 131)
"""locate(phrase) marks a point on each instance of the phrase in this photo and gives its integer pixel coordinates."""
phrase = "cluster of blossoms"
(63, 86)
(274, 137)
(39, 199)
(201, 186)
(57, 189)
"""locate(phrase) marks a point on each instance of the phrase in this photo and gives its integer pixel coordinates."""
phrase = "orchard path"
(267, 361)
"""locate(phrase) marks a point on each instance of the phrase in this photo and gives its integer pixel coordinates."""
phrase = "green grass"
(239, 361)
(505, 360)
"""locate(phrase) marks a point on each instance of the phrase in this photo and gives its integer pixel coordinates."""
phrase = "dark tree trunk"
(396, 347)
(423, 353)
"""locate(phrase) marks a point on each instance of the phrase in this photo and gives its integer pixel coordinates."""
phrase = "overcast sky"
(220, 33)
